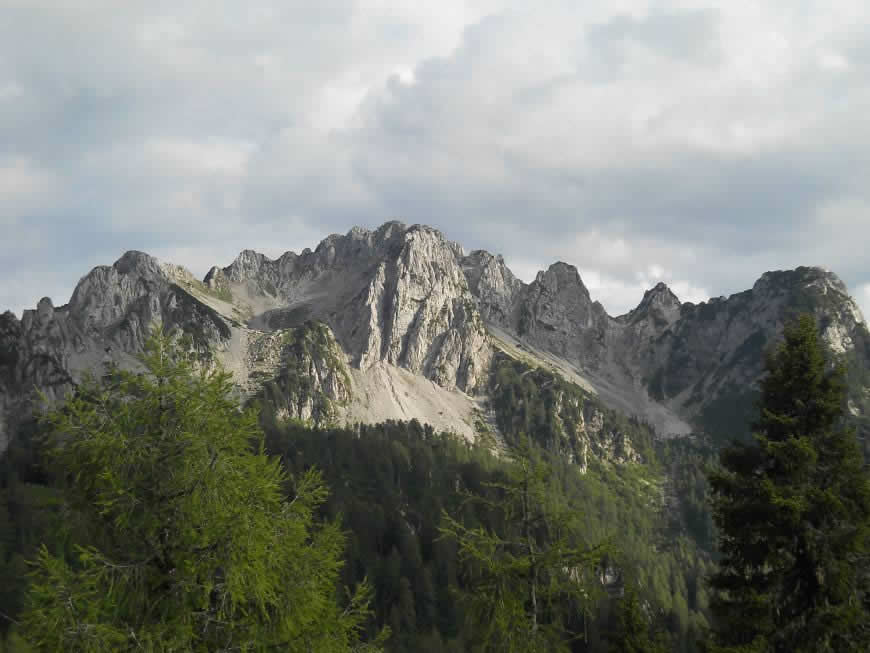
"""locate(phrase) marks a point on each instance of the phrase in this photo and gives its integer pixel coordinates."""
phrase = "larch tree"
(181, 534)
(530, 578)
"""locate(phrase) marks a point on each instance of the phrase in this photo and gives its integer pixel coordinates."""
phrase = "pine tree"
(793, 512)
(182, 538)
(530, 580)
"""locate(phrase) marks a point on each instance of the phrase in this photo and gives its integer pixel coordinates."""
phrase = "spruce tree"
(181, 538)
(793, 512)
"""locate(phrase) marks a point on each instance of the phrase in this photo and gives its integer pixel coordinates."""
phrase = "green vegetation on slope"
(391, 482)
(179, 532)
(561, 417)
(306, 349)
(532, 580)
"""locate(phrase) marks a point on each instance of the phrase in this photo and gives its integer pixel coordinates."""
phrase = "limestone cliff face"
(493, 285)
(395, 295)
(106, 320)
(29, 361)
(115, 305)
(707, 363)
(421, 316)
(681, 366)
(557, 314)
(657, 311)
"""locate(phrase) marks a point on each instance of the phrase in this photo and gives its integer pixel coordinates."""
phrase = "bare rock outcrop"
(301, 372)
(493, 284)
(395, 295)
(681, 366)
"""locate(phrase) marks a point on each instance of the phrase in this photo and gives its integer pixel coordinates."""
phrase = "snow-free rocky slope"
(685, 367)
(400, 323)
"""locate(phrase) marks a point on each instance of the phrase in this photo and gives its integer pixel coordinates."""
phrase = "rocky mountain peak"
(419, 313)
(660, 303)
(819, 291)
(389, 229)
(247, 265)
(809, 276)
(396, 295)
(493, 284)
(138, 263)
(45, 309)
(555, 308)
(561, 278)
(104, 296)
(215, 278)
(661, 289)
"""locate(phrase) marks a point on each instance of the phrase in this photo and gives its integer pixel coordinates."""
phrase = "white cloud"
(23, 187)
(833, 61)
(21, 177)
(616, 272)
(185, 157)
(618, 296)
(10, 91)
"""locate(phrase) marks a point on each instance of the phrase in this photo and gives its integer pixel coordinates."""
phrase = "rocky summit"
(401, 323)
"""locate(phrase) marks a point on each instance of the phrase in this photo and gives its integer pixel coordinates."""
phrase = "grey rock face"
(421, 316)
(713, 353)
(11, 374)
(106, 320)
(557, 314)
(493, 284)
(667, 358)
(657, 311)
(407, 297)
(216, 280)
(395, 295)
(116, 305)
(32, 360)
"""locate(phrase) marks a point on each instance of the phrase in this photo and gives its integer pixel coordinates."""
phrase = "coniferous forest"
(149, 513)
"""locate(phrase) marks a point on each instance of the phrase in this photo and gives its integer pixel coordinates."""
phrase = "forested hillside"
(405, 495)
(391, 482)
(390, 486)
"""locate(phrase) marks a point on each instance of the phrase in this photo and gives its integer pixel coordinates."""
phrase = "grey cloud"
(679, 33)
(540, 136)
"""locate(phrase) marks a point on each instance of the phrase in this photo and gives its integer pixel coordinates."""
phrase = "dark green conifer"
(793, 512)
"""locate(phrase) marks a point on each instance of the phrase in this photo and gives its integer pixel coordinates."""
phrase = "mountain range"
(402, 323)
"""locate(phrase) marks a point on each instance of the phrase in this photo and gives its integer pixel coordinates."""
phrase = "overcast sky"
(698, 143)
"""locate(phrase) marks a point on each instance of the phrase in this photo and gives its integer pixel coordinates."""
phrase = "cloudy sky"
(699, 143)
